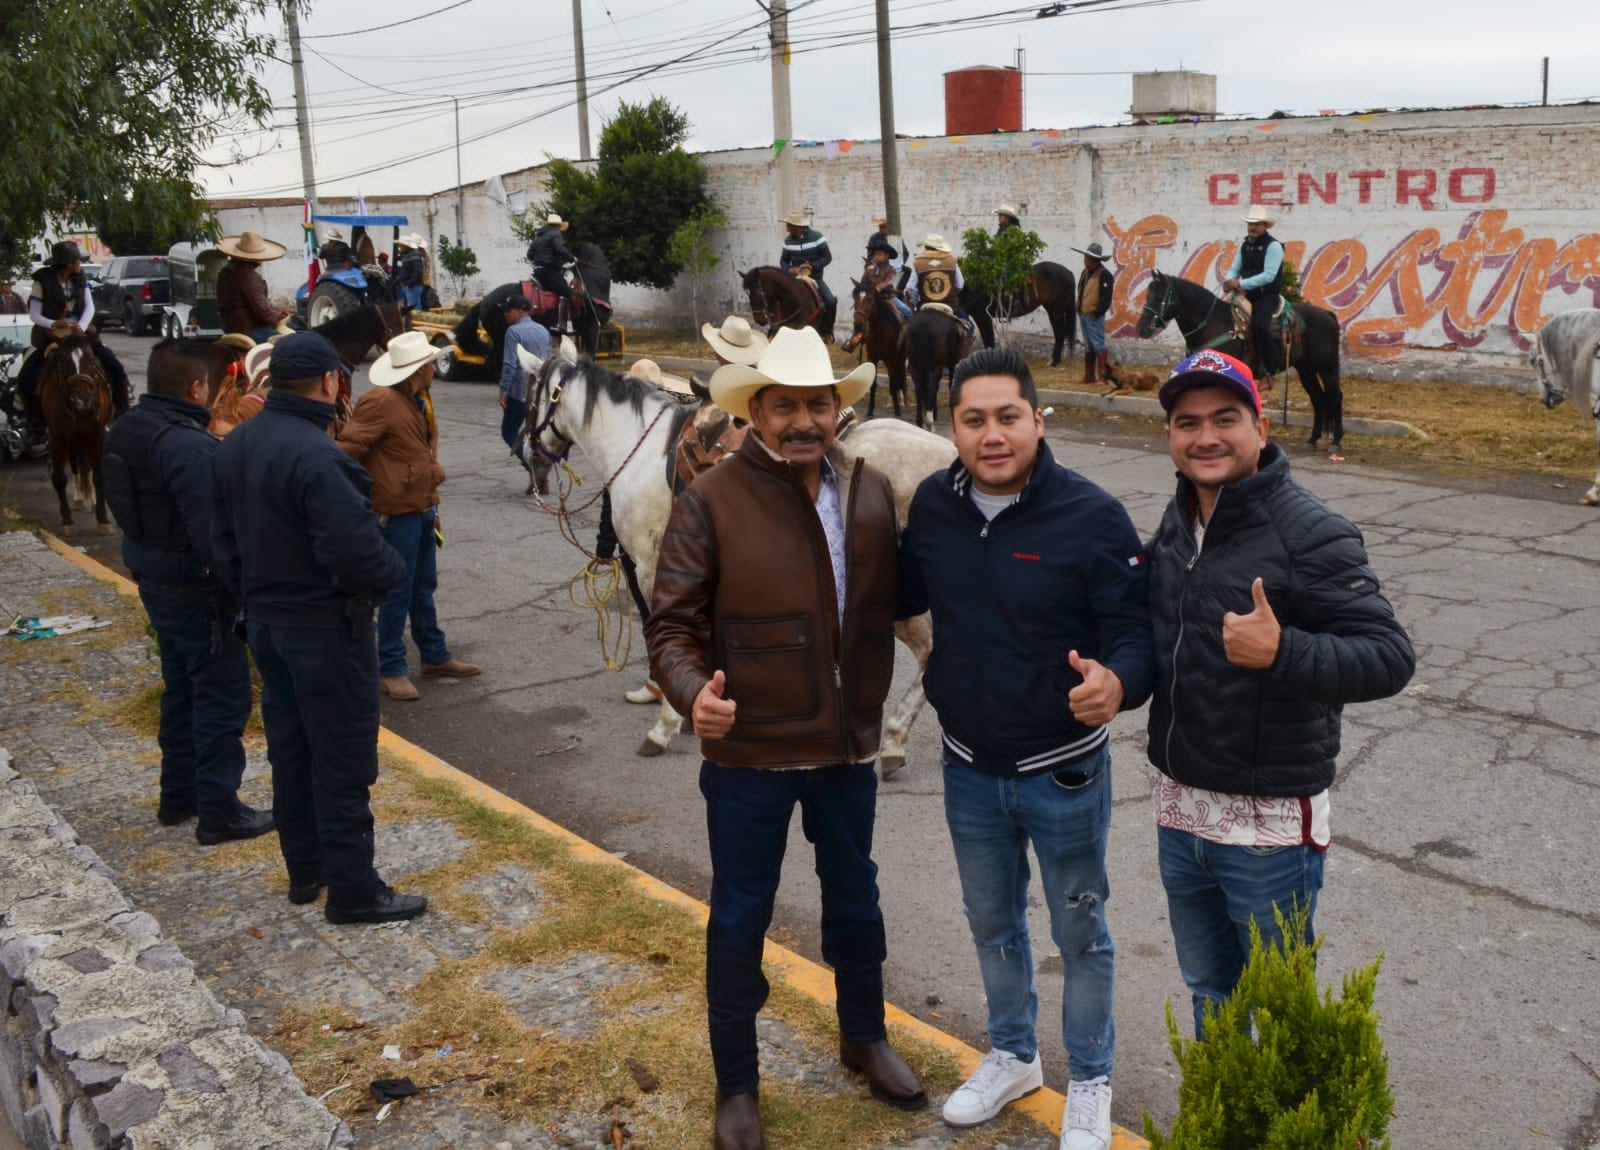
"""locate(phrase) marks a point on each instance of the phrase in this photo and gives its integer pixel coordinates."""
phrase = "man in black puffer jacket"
(1268, 620)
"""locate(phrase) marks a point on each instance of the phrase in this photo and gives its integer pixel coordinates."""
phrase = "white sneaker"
(1001, 1078)
(1086, 1122)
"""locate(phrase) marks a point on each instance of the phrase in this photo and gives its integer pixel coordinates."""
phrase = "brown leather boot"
(400, 688)
(887, 1075)
(1088, 368)
(739, 1123)
(454, 669)
(1103, 362)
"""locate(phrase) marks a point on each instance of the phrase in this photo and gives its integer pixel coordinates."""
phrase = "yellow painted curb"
(809, 978)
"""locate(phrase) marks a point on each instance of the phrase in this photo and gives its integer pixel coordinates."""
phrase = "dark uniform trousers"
(319, 704)
(205, 703)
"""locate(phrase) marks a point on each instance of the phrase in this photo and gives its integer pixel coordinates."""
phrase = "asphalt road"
(1462, 818)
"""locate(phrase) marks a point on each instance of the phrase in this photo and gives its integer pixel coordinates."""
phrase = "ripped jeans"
(992, 821)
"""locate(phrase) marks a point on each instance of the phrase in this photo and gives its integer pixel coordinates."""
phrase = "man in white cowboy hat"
(781, 653)
(411, 272)
(549, 255)
(734, 341)
(1094, 301)
(1008, 217)
(242, 297)
(1257, 271)
(935, 274)
(393, 433)
(806, 252)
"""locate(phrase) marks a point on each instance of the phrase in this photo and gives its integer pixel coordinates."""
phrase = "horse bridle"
(760, 305)
(550, 395)
(1163, 317)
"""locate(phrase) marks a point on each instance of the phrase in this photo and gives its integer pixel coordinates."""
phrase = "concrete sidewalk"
(551, 993)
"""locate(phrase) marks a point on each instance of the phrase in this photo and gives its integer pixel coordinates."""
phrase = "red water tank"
(982, 99)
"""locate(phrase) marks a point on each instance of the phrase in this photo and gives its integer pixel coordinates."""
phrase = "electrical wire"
(386, 27)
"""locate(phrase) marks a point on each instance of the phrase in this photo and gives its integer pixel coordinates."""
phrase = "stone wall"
(108, 1039)
(1442, 240)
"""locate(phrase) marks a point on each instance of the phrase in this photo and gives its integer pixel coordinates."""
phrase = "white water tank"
(1180, 93)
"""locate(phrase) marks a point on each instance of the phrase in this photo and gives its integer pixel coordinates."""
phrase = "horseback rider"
(936, 279)
(1094, 300)
(897, 257)
(805, 253)
(242, 290)
(882, 273)
(1257, 271)
(60, 304)
(549, 255)
(410, 273)
(1008, 217)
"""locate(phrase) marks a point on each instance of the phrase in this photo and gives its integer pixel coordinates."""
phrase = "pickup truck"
(134, 291)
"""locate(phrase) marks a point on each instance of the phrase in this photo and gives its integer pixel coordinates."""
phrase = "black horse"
(1205, 320)
(934, 343)
(1050, 286)
(591, 296)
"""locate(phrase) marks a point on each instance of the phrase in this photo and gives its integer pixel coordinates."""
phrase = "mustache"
(800, 437)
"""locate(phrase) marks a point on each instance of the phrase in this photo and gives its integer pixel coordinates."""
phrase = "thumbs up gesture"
(1096, 700)
(1252, 640)
(713, 712)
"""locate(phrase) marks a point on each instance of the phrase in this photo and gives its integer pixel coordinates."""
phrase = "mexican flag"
(312, 267)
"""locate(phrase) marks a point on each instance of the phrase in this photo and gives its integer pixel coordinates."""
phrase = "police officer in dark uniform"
(295, 535)
(157, 475)
(1257, 271)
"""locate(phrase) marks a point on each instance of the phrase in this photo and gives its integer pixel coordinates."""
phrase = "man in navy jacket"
(296, 539)
(1041, 636)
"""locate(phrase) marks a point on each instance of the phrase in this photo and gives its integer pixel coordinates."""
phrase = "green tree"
(643, 188)
(1282, 1066)
(999, 265)
(460, 263)
(691, 248)
(113, 106)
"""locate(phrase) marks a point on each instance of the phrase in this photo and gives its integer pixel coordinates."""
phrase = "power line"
(385, 27)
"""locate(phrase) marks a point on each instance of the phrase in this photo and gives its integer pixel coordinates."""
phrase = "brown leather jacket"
(744, 585)
(242, 299)
(389, 436)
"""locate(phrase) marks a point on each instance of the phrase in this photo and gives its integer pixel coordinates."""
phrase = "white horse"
(1566, 355)
(627, 430)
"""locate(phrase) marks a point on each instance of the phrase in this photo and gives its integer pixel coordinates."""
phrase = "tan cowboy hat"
(735, 341)
(795, 219)
(554, 218)
(1095, 252)
(236, 340)
(650, 371)
(257, 364)
(1008, 210)
(1259, 215)
(880, 221)
(407, 352)
(936, 243)
(796, 357)
(251, 246)
(414, 240)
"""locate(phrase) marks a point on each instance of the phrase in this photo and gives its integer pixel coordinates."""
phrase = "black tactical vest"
(1253, 257)
(141, 505)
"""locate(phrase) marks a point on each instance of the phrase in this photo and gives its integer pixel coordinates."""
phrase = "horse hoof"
(891, 765)
(1590, 499)
(649, 750)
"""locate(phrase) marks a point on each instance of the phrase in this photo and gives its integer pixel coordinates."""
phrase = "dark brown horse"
(778, 299)
(1050, 286)
(1205, 320)
(876, 330)
(75, 397)
(935, 342)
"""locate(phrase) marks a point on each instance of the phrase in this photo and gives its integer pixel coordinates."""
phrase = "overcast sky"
(514, 73)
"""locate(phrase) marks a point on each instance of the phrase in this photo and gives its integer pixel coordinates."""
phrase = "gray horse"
(1567, 357)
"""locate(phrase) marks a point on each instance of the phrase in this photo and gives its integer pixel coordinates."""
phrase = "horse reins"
(759, 297)
(1163, 318)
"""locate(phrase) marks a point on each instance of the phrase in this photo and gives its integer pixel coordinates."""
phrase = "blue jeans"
(412, 536)
(205, 701)
(992, 821)
(1094, 332)
(1213, 893)
(747, 817)
(511, 420)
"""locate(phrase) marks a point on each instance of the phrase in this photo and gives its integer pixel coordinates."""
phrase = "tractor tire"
(329, 300)
(448, 368)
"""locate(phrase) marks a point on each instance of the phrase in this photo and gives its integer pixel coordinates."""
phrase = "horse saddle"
(707, 438)
(1241, 308)
(811, 286)
(941, 308)
(544, 300)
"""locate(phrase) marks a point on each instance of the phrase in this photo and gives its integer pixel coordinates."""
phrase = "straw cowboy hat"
(1095, 252)
(407, 352)
(795, 219)
(554, 218)
(880, 221)
(414, 240)
(650, 371)
(251, 246)
(735, 341)
(1008, 210)
(936, 243)
(1259, 215)
(796, 357)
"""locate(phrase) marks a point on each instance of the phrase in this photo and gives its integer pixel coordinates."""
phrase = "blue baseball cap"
(302, 355)
(1210, 368)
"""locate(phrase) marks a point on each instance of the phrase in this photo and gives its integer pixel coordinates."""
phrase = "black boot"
(1089, 375)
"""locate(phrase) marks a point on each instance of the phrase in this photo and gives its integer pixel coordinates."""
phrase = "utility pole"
(782, 121)
(1544, 96)
(583, 83)
(890, 149)
(302, 118)
(461, 209)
